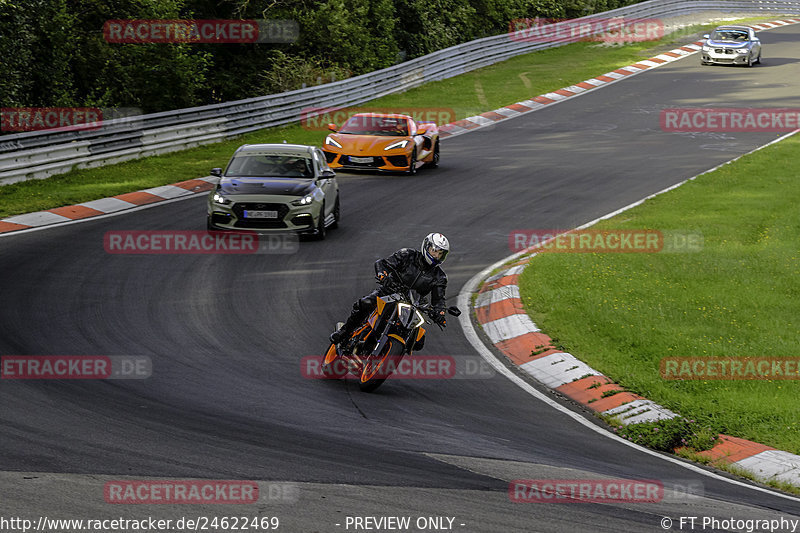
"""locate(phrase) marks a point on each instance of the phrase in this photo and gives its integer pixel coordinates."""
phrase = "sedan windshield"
(372, 125)
(272, 166)
(736, 36)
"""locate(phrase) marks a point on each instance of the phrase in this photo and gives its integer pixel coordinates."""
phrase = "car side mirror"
(216, 172)
(453, 310)
(706, 36)
(421, 130)
(328, 173)
(332, 127)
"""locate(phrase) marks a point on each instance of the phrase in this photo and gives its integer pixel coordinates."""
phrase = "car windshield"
(372, 125)
(736, 36)
(273, 166)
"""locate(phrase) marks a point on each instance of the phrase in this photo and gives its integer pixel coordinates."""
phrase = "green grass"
(739, 296)
(482, 90)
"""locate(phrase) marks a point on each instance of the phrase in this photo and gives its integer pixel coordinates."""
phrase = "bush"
(666, 435)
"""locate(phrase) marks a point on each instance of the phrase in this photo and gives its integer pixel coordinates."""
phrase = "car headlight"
(333, 142)
(305, 200)
(742, 50)
(398, 144)
(220, 199)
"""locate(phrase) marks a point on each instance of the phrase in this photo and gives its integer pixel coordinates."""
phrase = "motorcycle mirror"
(455, 311)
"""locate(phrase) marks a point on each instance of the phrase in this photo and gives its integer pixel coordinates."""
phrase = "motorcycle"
(393, 330)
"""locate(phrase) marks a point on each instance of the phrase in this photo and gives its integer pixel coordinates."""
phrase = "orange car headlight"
(398, 144)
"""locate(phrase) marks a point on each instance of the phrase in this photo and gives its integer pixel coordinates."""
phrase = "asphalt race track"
(226, 334)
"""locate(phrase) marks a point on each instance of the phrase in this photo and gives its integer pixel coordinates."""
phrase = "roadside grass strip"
(611, 318)
(505, 87)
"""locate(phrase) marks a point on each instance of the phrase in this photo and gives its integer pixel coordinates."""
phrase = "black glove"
(382, 276)
(440, 318)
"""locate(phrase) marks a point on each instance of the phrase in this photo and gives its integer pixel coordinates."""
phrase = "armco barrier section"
(39, 154)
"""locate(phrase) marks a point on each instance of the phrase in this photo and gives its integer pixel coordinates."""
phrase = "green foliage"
(52, 52)
(666, 435)
(736, 297)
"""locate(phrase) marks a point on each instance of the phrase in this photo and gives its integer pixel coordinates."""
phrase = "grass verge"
(482, 90)
(739, 296)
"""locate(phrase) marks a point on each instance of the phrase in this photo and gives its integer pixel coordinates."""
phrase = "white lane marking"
(168, 191)
(108, 205)
(497, 295)
(505, 111)
(555, 96)
(481, 121)
(774, 464)
(39, 218)
(509, 327)
(558, 369)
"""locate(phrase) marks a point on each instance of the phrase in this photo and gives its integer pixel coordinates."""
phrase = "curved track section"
(226, 334)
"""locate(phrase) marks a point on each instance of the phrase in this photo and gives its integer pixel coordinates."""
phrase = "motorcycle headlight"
(305, 200)
(220, 199)
(333, 142)
(403, 310)
(398, 144)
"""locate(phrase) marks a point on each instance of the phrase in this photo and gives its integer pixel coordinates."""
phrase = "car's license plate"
(260, 214)
(354, 159)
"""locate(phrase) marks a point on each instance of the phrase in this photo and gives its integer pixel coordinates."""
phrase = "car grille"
(724, 51)
(398, 160)
(220, 218)
(329, 156)
(376, 162)
(260, 223)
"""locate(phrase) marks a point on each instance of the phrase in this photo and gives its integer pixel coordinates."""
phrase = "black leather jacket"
(416, 273)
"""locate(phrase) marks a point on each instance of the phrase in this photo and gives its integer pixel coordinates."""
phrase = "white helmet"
(435, 248)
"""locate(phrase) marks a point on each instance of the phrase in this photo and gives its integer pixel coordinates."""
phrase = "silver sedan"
(733, 45)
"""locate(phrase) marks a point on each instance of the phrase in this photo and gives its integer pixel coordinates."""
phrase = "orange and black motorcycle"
(392, 331)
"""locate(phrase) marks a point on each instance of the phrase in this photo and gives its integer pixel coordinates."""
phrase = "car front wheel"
(412, 168)
(336, 214)
(321, 231)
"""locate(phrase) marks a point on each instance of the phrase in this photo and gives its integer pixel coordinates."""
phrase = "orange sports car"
(386, 142)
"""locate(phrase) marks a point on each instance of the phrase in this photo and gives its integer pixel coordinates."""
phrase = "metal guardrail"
(35, 155)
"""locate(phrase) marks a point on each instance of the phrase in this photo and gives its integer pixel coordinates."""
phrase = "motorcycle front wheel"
(380, 367)
(333, 366)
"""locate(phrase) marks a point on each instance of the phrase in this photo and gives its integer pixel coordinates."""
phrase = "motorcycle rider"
(418, 269)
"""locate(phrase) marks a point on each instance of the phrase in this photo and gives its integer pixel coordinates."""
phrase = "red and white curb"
(104, 206)
(136, 199)
(491, 117)
(499, 310)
